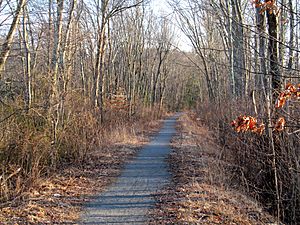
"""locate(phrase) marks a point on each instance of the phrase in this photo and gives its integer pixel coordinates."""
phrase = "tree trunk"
(291, 42)
(273, 52)
(66, 49)
(100, 57)
(57, 45)
(275, 87)
(238, 48)
(55, 103)
(9, 38)
(230, 50)
(28, 96)
(261, 26)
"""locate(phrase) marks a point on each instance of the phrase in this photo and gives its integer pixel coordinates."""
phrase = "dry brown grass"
(199, 193)
(58, 198)
(89, 160)
(250, 159)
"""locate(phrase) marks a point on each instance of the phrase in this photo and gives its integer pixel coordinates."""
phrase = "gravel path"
(129, 199)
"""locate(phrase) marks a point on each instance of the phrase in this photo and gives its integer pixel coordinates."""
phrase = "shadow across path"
(129, 199)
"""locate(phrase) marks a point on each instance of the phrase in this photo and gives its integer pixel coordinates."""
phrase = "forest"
(75, 75)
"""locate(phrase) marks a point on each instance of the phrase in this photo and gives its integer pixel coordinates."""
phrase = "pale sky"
(161, 8)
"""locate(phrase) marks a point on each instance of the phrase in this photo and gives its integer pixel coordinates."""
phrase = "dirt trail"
(129, 199)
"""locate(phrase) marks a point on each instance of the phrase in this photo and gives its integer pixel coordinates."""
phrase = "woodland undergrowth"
(27, 152)
(248, 158)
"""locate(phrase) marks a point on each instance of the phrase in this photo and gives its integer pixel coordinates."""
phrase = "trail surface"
(129, 199)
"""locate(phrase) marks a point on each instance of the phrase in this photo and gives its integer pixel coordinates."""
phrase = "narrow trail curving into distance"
(129, 199)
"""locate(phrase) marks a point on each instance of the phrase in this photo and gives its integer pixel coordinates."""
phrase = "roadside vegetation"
(81, 84)
(56, 195)
(248, 95)
(78, 77)
(202, 190)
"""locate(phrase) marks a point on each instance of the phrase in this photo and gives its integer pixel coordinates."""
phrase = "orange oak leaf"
(252, 123)
(279, 126)
(245, 123)
(260, 129)
(291, 88)
(280, 102)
